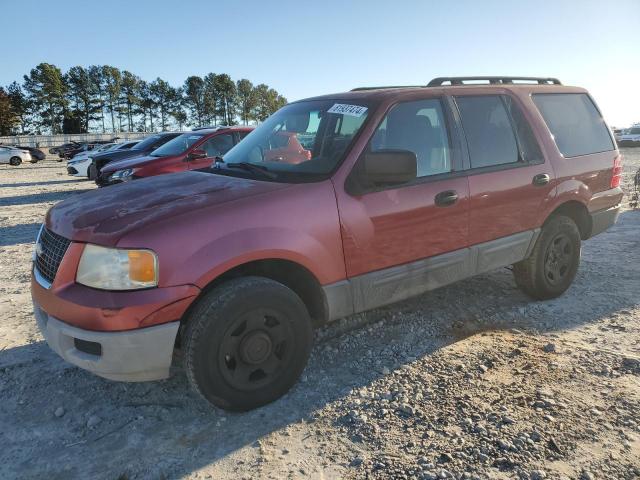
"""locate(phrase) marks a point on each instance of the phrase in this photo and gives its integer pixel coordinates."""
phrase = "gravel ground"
(470, 381)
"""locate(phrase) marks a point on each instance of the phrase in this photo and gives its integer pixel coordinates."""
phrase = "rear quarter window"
(575, 123)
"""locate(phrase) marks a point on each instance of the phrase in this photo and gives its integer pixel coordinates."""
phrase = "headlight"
(125, 174)
(117, 269)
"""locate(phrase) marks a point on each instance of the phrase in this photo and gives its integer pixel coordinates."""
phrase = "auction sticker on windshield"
(351, 110)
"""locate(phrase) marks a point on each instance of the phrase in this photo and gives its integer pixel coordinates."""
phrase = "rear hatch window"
(575, 123)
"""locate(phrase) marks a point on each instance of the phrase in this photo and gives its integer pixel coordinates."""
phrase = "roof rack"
(436, 82)
(360, 89)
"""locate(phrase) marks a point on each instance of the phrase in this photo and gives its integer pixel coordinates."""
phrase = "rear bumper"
(603, 219)
(131, 356)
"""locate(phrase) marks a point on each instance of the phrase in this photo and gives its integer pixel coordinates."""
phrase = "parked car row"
(78, 166)
(334, 205)
(68, 150)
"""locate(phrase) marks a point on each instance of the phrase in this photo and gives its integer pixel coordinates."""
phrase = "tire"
(92, 172)
(246, 343)
(553, 264)
(15, 161)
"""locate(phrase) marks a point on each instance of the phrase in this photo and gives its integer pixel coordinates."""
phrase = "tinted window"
(574, 122)
(178, 145)
(148, 142)
(418, 127)
(488, 130)
(218, 145)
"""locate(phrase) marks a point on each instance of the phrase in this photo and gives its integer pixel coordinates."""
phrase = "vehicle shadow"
(16, 234)
(172, 427)
(42, 197)
(41, 184)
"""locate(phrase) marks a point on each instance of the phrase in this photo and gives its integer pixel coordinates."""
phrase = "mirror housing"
(197, 153)
(390, 167)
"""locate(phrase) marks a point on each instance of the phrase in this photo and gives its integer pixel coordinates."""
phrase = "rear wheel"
(554, 262)
(15, 161)
(92, 172)
(246, 343)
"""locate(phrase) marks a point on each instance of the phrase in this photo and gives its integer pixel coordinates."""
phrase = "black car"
(146, 146)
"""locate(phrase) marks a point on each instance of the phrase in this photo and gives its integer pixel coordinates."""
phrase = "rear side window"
(487, 127)
(574, 122)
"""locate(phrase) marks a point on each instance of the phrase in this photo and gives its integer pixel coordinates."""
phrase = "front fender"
(243, 246)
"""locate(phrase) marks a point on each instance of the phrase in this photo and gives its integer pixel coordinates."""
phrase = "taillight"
(616, 173)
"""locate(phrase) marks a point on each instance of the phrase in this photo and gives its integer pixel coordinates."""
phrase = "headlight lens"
(125, 174)
(117, 269)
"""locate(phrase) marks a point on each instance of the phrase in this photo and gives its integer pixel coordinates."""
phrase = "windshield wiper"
(252, 167)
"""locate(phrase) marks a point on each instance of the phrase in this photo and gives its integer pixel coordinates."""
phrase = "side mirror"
(390, 167)
(197, 153)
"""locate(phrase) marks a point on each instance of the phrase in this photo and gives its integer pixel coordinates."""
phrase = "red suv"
(189, 151)
(403, 190)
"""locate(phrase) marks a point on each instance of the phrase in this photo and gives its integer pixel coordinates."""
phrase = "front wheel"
(246, 343)
(554, 262)
(15, 161)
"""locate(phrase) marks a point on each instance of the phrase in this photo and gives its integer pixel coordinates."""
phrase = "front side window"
(487, 128)
(178, 145)
(418, 127)
(218, 145)
(304, 138)
(575, 123)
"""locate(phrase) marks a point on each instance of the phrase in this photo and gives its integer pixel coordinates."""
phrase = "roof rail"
(360, 89)
(436, 82)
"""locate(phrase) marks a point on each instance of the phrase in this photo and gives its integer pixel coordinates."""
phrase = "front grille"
(71, 171)
(49, 252)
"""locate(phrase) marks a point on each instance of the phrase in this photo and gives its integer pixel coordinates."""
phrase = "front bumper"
(130, 356)
(72, 171)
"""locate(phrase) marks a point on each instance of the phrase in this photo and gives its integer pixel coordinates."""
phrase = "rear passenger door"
(509, 179)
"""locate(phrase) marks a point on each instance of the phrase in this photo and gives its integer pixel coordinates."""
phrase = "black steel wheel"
(246, 343)
(554, 261)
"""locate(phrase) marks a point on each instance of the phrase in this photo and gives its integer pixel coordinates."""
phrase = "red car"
(406, 189)
(189, 151)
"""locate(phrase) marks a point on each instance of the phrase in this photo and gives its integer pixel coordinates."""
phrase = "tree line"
(102, 98)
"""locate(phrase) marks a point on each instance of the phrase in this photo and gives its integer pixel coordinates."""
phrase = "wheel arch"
(576, 211)
(291, 274)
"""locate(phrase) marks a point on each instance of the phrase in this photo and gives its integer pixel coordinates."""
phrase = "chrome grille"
(50, 249)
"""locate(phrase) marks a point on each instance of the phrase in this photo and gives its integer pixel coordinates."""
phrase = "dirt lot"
(469, 381)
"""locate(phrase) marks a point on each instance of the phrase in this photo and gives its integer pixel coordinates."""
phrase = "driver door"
(405, 239)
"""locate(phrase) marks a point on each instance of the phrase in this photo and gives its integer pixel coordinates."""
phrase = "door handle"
(541, 179)
(446, 198)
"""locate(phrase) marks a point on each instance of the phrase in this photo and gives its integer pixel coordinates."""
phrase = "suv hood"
(103, 216)
(129, 163)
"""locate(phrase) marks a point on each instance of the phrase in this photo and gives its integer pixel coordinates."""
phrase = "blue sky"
(310, 48)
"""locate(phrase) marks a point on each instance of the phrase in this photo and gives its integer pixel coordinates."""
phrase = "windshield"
(147, 142)
(301, 138)
(178, 145)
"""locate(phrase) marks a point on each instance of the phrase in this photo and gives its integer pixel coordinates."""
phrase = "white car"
(630, 137)
(14, 156)
(78, 166)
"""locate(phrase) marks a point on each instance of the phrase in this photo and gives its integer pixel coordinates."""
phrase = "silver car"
(14, 156)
